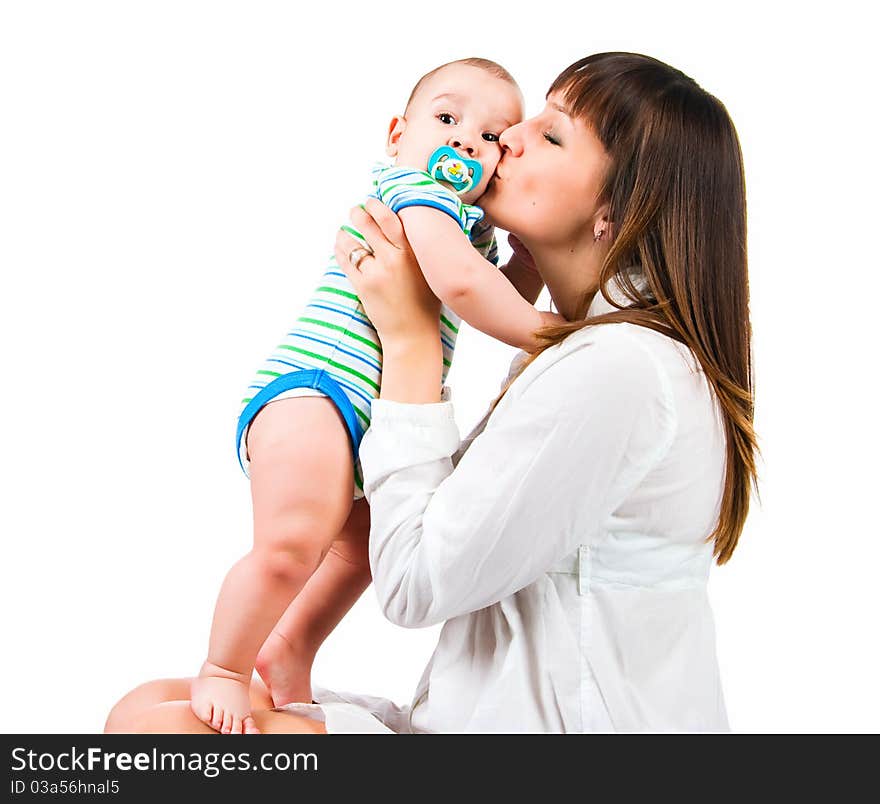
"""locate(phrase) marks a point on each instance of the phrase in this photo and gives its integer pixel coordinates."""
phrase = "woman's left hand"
(389, 282)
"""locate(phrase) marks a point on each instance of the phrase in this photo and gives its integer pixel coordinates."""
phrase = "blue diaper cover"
(321, 381)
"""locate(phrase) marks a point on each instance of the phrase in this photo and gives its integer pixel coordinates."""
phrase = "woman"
(567, 544)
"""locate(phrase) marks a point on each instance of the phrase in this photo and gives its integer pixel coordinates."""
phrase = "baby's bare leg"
(285, 660)
(301, 480)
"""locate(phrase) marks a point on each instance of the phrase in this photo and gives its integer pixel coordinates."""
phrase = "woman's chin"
(488, 203)
(497, 218)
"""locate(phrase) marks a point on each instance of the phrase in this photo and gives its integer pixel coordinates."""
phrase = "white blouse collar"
(599, 306)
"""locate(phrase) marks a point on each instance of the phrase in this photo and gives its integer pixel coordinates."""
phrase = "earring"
(598, 236)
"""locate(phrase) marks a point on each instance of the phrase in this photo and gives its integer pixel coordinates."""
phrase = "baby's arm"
(475, 289)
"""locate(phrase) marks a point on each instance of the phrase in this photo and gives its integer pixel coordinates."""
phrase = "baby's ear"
(395, 128)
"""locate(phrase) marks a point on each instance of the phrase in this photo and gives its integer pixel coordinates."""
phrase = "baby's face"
(463, 107)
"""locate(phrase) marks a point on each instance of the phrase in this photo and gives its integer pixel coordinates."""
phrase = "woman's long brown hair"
(676, 194)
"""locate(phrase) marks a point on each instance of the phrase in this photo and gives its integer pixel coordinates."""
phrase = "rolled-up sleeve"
(555, 459)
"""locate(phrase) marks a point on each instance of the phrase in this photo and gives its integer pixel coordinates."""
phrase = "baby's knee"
(297, 519)
(291, 546)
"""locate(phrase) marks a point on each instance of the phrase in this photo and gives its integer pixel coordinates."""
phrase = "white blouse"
(561, 544)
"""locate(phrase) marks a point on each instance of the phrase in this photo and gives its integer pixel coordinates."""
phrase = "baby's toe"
(250, 725)
(227, 722)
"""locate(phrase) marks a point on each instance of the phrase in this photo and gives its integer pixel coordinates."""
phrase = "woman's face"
(547, 182)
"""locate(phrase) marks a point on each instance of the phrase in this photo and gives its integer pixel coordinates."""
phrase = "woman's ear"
(395, 129)
(602, 226)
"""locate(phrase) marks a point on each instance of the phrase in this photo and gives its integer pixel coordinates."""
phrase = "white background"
(171, 178)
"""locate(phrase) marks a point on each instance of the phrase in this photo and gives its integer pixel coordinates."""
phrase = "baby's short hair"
(491, 67)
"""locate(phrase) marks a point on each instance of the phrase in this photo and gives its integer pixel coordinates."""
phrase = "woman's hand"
(389, 282)
(521, 252)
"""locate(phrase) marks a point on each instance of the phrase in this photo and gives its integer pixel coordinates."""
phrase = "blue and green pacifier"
(446, 165)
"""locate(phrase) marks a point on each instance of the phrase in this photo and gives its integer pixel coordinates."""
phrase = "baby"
(309, 562)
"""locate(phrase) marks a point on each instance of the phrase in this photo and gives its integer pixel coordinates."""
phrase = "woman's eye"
(550, 138)
(445, 117)
(490, 137)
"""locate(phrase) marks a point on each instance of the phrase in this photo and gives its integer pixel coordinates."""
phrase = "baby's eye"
(550, 138)
(445, 117)
(490, 137)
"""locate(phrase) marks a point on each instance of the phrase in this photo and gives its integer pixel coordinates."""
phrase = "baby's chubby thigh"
(302, 476)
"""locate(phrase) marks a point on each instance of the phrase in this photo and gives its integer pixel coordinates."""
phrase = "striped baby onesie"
(332, 349)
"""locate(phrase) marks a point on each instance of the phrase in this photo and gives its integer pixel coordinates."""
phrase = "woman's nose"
(511, 140)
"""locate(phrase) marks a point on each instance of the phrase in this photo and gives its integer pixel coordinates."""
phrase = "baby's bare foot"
(286, 670)
(221, 701)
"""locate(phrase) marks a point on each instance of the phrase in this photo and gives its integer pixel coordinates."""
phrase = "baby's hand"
(220, 699)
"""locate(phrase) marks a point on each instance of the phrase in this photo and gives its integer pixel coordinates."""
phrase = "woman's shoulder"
(616, 363)
(615, 348)
(623, 346)
(603, 363)
(628, 365)
(620, 334)
(596, 385)
(619, 365)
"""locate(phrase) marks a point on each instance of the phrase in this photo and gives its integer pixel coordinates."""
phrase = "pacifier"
(446, 165)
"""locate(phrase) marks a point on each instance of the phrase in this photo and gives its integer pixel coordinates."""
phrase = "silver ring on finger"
(357, 255)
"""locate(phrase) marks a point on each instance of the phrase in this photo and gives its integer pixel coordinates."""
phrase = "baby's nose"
(462, 144)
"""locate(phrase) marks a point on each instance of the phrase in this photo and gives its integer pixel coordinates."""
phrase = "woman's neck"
(570, 274)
